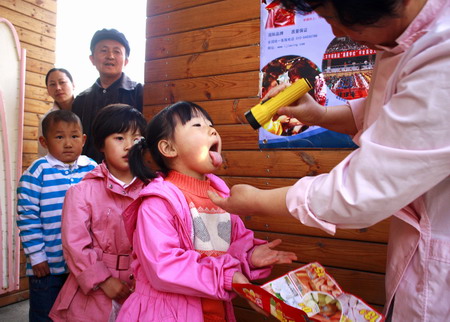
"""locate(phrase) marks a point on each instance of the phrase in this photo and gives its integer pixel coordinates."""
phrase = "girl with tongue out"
(187, 251)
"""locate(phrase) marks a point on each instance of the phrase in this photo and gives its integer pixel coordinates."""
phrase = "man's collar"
(123, 82)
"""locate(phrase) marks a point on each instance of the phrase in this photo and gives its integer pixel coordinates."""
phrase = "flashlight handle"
(262, 113)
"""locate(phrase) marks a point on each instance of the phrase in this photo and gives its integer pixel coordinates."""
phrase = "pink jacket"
(171, 276)
(401, 168)
(95, 245)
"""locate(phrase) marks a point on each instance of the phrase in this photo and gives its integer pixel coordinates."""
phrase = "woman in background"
(59, 83)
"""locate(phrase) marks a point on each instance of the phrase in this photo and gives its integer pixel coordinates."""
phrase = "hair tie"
(141, 141)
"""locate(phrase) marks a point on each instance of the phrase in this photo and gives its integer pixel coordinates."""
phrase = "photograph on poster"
(347, 68)
(296, 46)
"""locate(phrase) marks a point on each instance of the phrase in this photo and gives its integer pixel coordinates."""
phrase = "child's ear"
(43, 142)
(84, 139)
(167, 149)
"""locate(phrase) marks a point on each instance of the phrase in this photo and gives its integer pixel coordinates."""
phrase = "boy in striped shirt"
(40, 196)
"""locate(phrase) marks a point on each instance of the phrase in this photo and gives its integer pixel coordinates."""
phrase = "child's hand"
(264, 255)
(115, 289)
(41, 269)
(240, 278)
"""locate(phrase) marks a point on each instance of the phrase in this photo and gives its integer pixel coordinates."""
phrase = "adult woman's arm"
(247, 200)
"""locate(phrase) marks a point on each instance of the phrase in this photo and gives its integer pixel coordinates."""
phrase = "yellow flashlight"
(263, 112)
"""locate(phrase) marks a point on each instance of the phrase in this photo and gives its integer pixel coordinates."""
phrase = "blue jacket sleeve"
(29, 219)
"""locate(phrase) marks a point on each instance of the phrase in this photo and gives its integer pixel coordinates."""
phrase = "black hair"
(350, 12)
(62, 70)
(116, 118)
(161, 127)
(59, 116)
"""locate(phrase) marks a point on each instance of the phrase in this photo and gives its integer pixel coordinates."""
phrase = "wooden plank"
(230, 86)
(279, 163)
(36, 106)
(220, 37)
(238, 137)
(208, 15)
(31, 10)
(36, 92)
(338, 253)
(14, 297)
(21, 20)
(229, 111)
(157, 7)
(36, 39)
(28, 158)
(226, 61)
(23, 263)
(244, 313)
(368, 286)
(262, 183)
(23, 268)
(30, 132)
(377, 233)
(31, 119)
(49, 5)
(221, 111)
(38, 66)
(30, 146)
(35, 79)
(42, 54)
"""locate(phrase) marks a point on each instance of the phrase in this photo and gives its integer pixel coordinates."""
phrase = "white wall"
(77, 23)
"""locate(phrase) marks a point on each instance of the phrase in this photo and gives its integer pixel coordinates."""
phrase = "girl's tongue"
(216, 158)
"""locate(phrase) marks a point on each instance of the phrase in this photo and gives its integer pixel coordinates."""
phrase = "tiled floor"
(17, 312)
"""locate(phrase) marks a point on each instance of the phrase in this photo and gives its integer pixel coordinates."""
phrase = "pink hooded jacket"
(95, 245)
(401, 169)
(171, 277)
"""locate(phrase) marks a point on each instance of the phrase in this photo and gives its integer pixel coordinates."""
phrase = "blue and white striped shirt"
(40, 197)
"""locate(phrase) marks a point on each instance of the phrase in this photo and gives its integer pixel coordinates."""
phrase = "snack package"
(308, 294)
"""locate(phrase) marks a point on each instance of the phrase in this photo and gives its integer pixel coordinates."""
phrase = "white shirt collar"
(81, 161)
(120, 182)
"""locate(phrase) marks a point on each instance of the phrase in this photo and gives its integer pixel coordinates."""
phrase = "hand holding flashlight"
(263, 112)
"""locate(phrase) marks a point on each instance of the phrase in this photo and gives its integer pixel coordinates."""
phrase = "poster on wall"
(294, 46)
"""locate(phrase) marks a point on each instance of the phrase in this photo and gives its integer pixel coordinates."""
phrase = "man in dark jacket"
(109, 54)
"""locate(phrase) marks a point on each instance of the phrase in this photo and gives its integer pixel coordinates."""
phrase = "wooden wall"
(35, 23)
(207, 51)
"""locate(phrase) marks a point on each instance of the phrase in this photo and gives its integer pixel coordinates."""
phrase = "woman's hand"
(240, 200)
(264, 255)
(305, 109)
(335, 118)
(115, 289)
